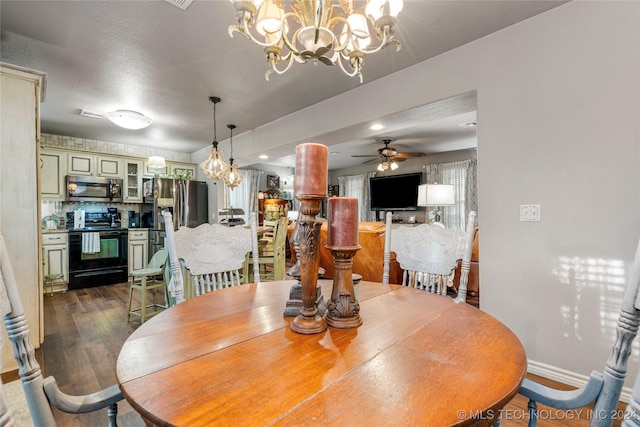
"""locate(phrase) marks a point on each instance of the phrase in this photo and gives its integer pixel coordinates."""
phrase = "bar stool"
(150, 278)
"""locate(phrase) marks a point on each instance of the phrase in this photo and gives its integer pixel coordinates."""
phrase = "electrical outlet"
(529, 212)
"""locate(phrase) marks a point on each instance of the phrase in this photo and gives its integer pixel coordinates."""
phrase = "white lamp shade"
(129, 119)
(435, 195)
(156, 162)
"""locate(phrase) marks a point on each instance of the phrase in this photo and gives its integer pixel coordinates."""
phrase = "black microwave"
(93, 189)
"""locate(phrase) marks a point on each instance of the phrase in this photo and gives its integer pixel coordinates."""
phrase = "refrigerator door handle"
(183, 206)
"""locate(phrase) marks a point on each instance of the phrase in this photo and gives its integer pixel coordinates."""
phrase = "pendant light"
(214, 167)
(231, 175)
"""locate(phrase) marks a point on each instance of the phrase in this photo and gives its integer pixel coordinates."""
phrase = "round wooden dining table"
(229, 358)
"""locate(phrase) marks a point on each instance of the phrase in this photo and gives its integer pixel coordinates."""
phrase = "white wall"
(558, 107)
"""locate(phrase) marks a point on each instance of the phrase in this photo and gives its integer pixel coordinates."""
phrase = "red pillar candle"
(342, 222)
(311, 170)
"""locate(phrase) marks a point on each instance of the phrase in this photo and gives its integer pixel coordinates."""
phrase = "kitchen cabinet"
(109, 167)
(150, 171)
(133, 181)
(53, 168)
(138, 249)
(177, 170)
(55, 261)
(81, 164)
(22, 89)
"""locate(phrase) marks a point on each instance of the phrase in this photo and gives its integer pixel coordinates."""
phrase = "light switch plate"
(529, 212)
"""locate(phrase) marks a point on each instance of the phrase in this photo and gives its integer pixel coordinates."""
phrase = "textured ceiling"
(152, 57)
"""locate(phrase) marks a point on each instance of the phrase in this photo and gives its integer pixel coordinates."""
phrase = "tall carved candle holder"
(310, 187)
(343, 311)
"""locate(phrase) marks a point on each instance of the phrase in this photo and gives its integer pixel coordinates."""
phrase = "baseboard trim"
(567, 377)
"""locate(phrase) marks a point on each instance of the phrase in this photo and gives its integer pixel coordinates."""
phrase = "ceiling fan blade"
(364, 155)
(409, 155)
(370, 161)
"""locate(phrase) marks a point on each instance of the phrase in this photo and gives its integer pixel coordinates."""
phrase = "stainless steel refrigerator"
(187, 200)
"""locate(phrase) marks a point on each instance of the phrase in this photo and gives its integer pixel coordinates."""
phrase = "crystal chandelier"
(214, 167)
(231, 175)
(327, 31)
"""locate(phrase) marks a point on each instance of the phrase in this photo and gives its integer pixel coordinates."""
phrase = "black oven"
(88, 268)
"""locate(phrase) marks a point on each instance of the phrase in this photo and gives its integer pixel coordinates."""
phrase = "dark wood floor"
(85, 329)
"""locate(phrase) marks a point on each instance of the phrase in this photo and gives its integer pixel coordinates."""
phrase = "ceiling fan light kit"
(388, 157)
(328, 31)
(129, 119)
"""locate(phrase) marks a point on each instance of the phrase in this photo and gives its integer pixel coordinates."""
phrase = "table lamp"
(435, 195)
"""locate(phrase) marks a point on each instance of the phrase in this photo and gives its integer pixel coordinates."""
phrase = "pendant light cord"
(231, 128)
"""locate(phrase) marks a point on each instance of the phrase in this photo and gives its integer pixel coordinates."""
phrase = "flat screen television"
(395, 192)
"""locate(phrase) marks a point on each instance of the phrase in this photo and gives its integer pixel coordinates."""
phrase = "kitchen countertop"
(66, 230)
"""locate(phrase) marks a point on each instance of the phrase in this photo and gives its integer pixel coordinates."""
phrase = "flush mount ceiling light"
(214, 167)
(231, 175)
(328, 31)
(129, 119)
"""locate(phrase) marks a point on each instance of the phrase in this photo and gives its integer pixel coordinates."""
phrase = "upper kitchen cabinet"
(53, 168)
(182, 170)
(22, 91)
(110, 167)
(150, 171)
(81, 164)
(133, 181)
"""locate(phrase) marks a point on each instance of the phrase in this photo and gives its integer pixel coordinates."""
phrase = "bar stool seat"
(150, 278)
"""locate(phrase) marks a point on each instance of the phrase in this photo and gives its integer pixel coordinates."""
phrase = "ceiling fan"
(388, 156)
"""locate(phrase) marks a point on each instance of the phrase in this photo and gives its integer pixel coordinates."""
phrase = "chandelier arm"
(291, 43)
(275, 70)
(247, 32)
(356, 71)
(386, 40)
(336, 45)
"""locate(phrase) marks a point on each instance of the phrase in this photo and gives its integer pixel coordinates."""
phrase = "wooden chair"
(602, 389)
(213, 257)
(150, 278)
(267, 238)
(173, 276)
(275, 254)
(41, 393)
(429, 255)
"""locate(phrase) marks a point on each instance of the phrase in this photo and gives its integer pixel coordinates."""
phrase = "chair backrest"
(602, 388)
(280, 236)
(175, 283)
(40, 392)
(276, 254)
(213, 255)
(159, 259)
(269, 235)
(429, 255)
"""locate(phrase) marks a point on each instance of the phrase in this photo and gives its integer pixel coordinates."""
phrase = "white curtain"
(463, 177)
(245, 195)
(358, 186)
